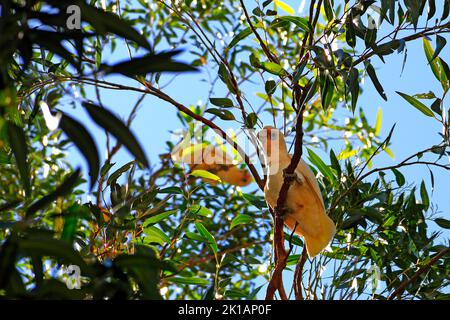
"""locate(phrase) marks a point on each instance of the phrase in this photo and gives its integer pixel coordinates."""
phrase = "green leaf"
(443, 223)
(424, 195)
(273, 68)
(225, 78)
(116, 174)
(151, 63)
(208, 237)
(373, 76)
(158, 217)
(323, 168)
(118, 129)
(155, 235)
(171, 190)
(188, 280)
(222, 102)
(335, 163)
(436, 65)
(18, 144)
(257, 201)
(270, 87)
(205, 174)
(399, 177)
(251, 120)
(417, 104)
(194, 236)
(284, 6)
(241, 219)
(302, 23)
(440, 44)
(43, 246)
(85, 144)
(200, 210)
(326, 89)
(70, 224)
(222, 114)
(62, 190)
(142, 261)
(240, 36)
(353, 84)
(379, 121)
(104, 21)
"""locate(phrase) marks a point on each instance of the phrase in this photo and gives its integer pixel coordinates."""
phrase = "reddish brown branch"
(298, 275)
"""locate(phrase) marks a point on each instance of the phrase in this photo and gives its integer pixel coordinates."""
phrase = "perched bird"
(304, 204)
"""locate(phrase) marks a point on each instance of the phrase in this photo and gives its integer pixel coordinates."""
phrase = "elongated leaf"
(205, 174)
(158, 217)
(240, 36)
(207, 236)
(118, 129)
(18, 144)
(443, 223)
(436, 65)
(222, 102)
(187, 280)
(142, 261)
(417, 104)
(326, 89)
(302, 23)
(116, 174)
(284, 6)
(241, 219)
(270, 87)
(104, 21)
(64, 189)
(440, 44)
(399, 177)
(59, 249)
(251, 120)
(379, 121)
(424, 196)
(323, 168)
(373, 76)
(152, 63)
(354, 86)
(222, 114)
(200, 210)
(273, 68)
(85, 144)
(70, 228)
(155, 235)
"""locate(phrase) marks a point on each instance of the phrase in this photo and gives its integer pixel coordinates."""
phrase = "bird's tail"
(319, 241)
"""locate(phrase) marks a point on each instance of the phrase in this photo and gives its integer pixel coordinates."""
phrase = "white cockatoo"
(304, 204)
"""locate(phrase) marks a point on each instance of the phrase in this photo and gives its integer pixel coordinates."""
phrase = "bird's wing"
(310, 179)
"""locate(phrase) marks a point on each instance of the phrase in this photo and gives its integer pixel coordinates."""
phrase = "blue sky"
(413, 131)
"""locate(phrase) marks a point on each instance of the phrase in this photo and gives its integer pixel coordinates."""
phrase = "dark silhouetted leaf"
(373, 76)
(161, 62)
(84, 142)
(222, 102)
(64, 189)
(118, 129)
(18, 144)
(222, 114)
(417, 104)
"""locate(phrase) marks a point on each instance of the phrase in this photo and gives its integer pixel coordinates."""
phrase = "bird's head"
(272, 140)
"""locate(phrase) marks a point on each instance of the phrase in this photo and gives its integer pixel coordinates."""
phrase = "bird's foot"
(283, 211)
(291, 177)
